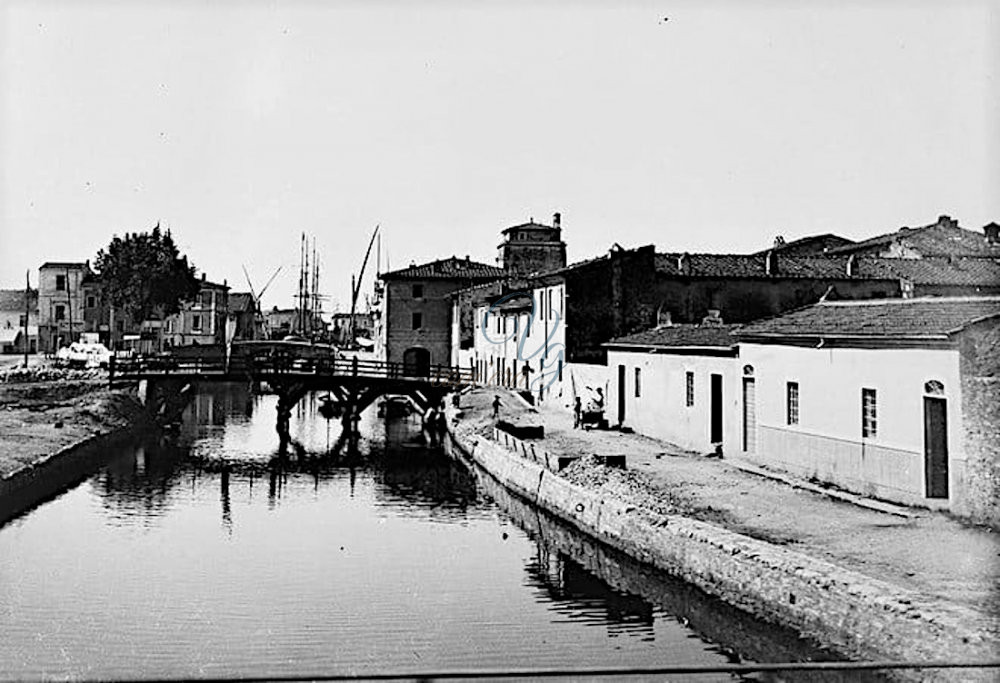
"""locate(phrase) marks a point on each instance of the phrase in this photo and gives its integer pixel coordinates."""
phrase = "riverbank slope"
(868, 584)
(41, 417)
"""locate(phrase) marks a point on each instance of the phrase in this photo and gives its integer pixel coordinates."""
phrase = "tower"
(533, 248)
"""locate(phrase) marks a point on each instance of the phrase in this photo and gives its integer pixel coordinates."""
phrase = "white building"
(519, 339)
(679, 383)
(869, 396)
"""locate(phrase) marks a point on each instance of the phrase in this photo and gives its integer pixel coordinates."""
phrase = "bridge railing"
(270, 366)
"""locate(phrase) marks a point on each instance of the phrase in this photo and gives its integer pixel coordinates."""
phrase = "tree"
(144, 274)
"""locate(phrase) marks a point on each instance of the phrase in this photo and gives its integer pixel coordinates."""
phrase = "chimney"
(779, 241)
(467, 260)
(771, 263)
(203, 277)
(556, 220)
(992, 232)
(947, 222)
(852, 266)
(684, 264)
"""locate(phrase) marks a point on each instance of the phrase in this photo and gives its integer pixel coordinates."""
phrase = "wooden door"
(749, 415)
(716, 425)
(621, 394)
(936, 446)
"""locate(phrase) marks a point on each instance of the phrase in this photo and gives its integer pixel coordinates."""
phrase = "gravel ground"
(931, 553)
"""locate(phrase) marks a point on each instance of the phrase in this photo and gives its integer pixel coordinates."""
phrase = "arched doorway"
(417, 362)
(935, 440)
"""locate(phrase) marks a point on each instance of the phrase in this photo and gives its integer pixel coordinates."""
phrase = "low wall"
(851, 613)
(871, 470)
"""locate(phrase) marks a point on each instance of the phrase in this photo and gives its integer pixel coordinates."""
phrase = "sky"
(709, 126)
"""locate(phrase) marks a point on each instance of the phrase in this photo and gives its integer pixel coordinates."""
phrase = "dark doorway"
(749, 415)
(417, 362)
(621, 394)
(936, 446)
(716, 388)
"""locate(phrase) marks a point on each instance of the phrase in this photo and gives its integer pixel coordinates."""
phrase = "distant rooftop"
(805, 246)
(72, 265)
(927, 318)
(447, 269)
(943, 238)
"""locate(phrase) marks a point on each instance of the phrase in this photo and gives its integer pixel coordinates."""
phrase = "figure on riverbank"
(496, 406)
(577, 411)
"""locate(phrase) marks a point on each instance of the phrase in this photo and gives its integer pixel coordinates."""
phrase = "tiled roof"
(974, 272)
(447, 269)
(240, 302)
(942, 271)
(755, 266)
(921, 318)
(65, 264)
(680, 336)
(531, 226)
(938, 239)
(13, 300)
(812, 245)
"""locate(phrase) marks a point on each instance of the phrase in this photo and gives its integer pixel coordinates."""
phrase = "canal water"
(199, 554)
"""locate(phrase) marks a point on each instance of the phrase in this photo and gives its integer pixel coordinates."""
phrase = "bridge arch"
(417, 362)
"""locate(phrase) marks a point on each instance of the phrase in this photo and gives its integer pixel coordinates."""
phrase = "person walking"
(496, 406)
(577, 412)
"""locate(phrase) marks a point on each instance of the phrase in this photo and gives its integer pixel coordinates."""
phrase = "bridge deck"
(284, 368)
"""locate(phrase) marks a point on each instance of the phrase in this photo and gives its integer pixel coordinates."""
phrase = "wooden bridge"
(353, 383)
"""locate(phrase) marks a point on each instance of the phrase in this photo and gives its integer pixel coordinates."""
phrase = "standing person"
(496, 406)
(577, 410)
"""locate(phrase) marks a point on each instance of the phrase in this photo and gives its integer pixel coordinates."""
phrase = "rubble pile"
(629, 485)
(40, 373)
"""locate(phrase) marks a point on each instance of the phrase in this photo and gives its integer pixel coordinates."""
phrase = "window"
(560, 369)
(206, 299)
(22, 320)
(792, 402)
(638, 382)
(60, 312)
(869, 414)
(418, 291)
(91, 301)
(60, 283)
(689, 397)
(550, 303)
(418, 320)
(196, 323)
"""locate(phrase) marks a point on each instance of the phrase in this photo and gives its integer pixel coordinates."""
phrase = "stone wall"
(979, 346)
(859, 616)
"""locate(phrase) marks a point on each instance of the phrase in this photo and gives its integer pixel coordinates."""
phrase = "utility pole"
(27, 312)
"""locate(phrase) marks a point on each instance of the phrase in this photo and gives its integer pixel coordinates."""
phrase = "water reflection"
(578, 595)
(199, 552)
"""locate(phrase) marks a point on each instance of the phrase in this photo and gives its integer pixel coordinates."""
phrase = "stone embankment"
(48, 412)
(858, 615)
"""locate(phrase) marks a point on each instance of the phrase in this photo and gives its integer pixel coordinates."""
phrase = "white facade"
(827, 442)
(508, 341)
(662, 409)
